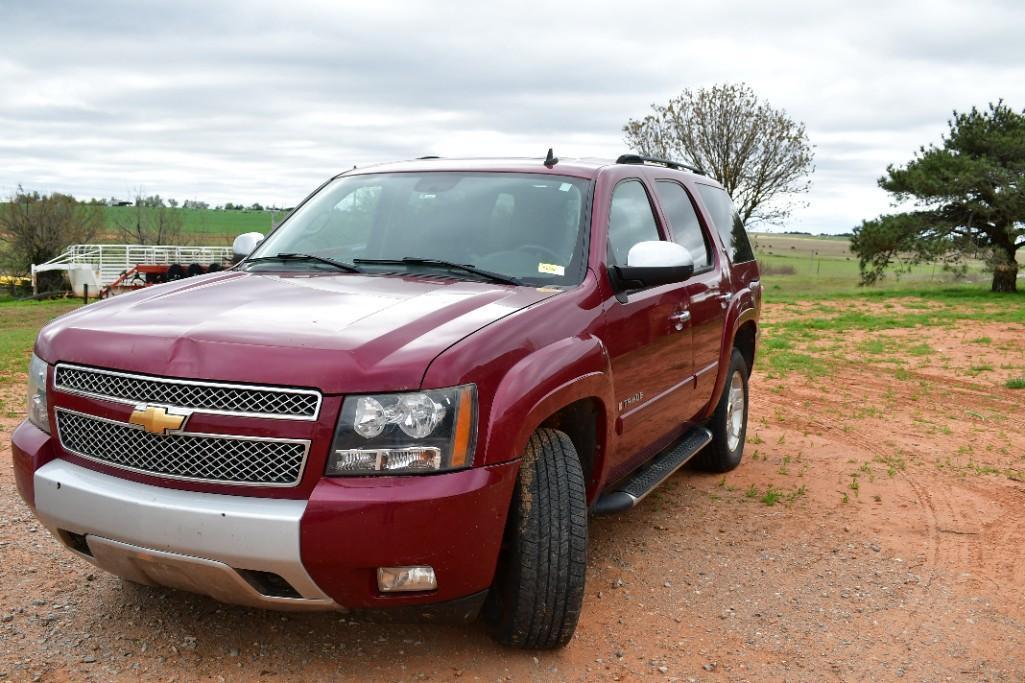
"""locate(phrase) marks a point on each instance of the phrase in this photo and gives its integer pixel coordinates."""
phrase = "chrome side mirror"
(245, 243)
(654, 263)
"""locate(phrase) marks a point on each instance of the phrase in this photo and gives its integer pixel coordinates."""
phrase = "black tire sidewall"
(525, 574)
(717, 456)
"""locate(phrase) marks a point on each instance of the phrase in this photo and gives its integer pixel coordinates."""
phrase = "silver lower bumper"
(183, 539)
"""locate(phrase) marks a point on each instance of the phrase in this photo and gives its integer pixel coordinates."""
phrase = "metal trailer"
(107, 269)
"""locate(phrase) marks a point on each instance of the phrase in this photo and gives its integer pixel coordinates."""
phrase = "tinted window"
(728, 223)
(527, 226)
(683, 219)
(630, 220)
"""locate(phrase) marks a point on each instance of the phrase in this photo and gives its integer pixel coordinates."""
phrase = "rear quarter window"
(727, 223)
(683, 219)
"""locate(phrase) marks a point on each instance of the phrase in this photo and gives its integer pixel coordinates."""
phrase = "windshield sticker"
(564, 187)
(550, 269)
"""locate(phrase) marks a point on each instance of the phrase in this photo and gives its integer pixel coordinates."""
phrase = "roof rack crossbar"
(675, 165)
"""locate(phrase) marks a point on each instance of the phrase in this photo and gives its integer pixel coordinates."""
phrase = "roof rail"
(675, 165)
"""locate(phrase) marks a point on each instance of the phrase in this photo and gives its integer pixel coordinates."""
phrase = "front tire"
(538, 592)
(729, 422)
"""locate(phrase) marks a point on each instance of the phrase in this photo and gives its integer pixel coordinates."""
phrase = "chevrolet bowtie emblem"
(157, 420)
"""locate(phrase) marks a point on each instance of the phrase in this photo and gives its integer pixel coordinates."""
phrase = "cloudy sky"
(247, 101)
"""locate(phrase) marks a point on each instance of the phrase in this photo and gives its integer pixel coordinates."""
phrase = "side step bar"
(648, 476)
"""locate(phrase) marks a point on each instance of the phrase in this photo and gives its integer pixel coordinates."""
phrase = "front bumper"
(320, 553)
(222, 546)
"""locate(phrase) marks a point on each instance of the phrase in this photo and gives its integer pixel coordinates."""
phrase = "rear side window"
(630, 220)
(728, 223)
(683, 219)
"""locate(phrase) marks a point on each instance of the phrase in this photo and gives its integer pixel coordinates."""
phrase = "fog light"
(401, 579)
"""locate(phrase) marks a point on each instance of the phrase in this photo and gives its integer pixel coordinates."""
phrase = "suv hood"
(337, 332)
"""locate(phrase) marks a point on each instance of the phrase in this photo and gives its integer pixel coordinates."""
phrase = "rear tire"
(729, 422)
(538, 591)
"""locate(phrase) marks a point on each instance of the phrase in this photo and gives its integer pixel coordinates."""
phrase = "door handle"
(724, 299)
(680, 319)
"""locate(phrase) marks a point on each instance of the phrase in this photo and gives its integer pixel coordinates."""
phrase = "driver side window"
(631, 220)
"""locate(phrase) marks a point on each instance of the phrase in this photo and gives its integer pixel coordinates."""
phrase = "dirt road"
(874, 532)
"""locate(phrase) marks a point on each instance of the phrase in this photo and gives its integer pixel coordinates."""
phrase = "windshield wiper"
(292, 256)
(466, 268)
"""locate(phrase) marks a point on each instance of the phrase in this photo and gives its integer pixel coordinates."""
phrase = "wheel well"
(583, 421)
(744, 341)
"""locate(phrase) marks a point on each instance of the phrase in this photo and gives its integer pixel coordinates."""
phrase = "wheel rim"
(735, 404)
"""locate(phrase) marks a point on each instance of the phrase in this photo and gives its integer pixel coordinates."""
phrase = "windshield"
(527, 227)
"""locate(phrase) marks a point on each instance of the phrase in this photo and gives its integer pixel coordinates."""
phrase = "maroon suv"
(409, 396)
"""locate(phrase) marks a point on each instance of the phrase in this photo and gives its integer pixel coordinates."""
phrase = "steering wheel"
(556, 259)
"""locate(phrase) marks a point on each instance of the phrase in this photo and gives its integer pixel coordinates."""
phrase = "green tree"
(967, 194)
(34, 228)
(761, 156)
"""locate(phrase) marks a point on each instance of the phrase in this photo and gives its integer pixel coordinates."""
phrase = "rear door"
(740, 270)
(707, 290)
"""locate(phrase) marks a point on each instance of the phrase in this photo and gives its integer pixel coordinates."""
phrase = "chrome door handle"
(724, 299)
(680, 319)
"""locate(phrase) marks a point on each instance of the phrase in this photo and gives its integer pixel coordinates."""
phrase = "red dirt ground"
(894, 551)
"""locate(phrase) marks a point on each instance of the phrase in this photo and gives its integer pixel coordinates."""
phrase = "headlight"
(422, 431)
(37, 393)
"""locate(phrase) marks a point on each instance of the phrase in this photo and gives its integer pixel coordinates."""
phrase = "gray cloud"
(247, 101)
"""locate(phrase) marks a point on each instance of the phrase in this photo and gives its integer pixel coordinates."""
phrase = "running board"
(651, 474)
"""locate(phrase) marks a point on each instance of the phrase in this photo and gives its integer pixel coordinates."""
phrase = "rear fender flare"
(741, 312)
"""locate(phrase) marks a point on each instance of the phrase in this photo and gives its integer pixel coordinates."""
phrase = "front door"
(648, 337)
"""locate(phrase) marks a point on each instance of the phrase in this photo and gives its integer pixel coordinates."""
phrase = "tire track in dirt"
(965, 542)
(840, 431)
(1000, 540)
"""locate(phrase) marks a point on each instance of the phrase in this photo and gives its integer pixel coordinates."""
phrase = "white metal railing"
(109, 261)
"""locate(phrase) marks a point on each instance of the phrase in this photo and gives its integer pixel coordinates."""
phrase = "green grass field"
(803, 266)
(203, 226)
(19, 323)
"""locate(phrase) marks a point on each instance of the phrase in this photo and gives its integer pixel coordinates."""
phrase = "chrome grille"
(209, 397)
(198, 457)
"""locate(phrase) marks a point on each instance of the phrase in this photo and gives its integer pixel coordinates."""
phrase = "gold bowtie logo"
(156, 420)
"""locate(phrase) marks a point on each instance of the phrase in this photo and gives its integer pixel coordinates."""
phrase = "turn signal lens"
(461, 444)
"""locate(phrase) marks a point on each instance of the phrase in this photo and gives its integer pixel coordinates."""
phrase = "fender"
(542, 383)
(742, 310)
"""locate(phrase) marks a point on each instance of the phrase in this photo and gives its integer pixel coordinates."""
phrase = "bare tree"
(34, 228)
(151, 221)
(761, 156)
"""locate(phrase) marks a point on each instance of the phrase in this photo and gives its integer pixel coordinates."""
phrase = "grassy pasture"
(798, 335)
(203, 226)
(805, 266)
